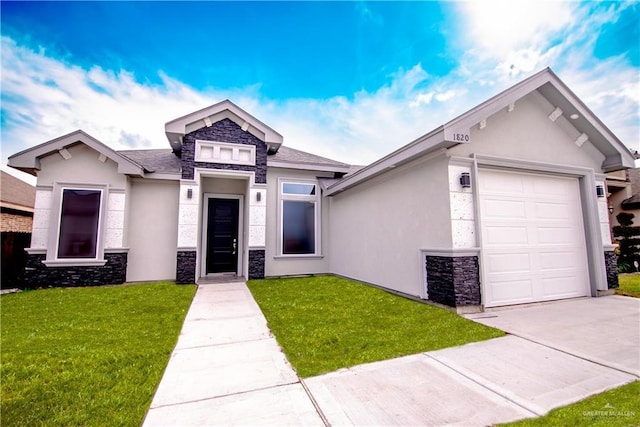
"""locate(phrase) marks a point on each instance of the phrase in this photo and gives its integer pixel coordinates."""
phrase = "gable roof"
(295, 159)
(176, 129)
(548, 84)
(16, 194)
(29, 160)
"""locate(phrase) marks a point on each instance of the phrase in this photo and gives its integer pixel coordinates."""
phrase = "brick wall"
(16, 223)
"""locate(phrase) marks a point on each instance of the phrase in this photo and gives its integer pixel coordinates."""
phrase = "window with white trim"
(299, 218)
(79, 230)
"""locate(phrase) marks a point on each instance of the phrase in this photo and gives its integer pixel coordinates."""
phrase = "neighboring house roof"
(29, 160)
(295, 159)
(163, 161)
(457, 131)
(16, 194)
(176, 129)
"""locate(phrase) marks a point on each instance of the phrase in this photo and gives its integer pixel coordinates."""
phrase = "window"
(299, 218)
(79, 223)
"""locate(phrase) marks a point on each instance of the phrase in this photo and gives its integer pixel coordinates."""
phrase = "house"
(16, 218)
(502, 205)
(623, 190)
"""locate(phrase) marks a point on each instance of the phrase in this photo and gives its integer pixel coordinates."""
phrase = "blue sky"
(348, 80)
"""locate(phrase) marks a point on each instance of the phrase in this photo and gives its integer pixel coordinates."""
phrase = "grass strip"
(618, 407)
(325, 323)
(87, 356)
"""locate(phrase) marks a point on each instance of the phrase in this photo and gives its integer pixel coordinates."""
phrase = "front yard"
(87, 356)
(325, 323)
(629, 285)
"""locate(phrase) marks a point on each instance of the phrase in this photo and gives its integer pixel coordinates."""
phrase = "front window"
(299, 218)
(79, 223)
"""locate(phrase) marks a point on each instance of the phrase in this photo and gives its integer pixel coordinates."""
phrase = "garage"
(532, 238)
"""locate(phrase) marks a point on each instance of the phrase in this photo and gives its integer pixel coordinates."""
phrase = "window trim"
(55, 223)
(316, 199)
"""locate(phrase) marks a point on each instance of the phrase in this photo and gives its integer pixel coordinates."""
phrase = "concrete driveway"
(603, 330)
(227, 369)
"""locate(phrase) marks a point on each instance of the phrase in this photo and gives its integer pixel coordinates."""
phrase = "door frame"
(205, 225)
(597, 275)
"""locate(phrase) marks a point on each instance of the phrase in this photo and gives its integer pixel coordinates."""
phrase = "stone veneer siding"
(453, 281)
(611, 265)
(223, 131)
(39, 275)
(186, 267)
(256, 263)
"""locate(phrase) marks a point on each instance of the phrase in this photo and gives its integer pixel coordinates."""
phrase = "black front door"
(222, 235)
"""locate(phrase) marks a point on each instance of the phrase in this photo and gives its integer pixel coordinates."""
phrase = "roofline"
(307, 166)
(16, 206)
(176, 129)
(29, 160)
(432, 141)
(445, 136)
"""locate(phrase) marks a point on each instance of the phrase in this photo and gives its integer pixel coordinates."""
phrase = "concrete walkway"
(227, 369)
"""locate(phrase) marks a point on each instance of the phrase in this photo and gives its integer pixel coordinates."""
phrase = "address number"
(461, 137)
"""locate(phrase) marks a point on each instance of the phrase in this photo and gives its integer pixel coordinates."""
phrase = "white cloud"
(43, 98)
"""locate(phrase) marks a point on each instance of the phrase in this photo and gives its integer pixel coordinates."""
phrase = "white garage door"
(533, 243)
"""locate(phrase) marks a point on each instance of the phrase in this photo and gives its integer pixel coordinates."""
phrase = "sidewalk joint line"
(486, 387)
(237, 393)
(315, 403)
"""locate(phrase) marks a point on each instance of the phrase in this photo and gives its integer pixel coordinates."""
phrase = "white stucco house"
(502, 205)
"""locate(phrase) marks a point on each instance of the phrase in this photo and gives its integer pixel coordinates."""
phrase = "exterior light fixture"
(599, 191)
(610, 210)
(258, 196)
(465, 180)
(189, 193)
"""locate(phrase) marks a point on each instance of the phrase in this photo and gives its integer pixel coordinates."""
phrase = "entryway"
(222, 236)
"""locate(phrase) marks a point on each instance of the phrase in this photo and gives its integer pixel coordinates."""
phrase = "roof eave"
(29, 160)
(307, 166)
(432, 142)
(176, 129)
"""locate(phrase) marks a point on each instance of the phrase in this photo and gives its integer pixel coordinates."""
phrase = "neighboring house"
(16, 219)
(502, 205)
(623, 188)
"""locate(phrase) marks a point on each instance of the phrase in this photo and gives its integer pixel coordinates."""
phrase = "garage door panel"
(552, 211)
(533, 242)
(493, 183)
(558, 260)
(556, 235)
(506, 235)
(498, 209)
(511, 290)
(559, 287)
(509, 263)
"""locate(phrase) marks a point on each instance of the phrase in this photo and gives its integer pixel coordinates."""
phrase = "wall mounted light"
(599, 191)
(189, 193)
(611, 210)
(258, 196)
(465, 180)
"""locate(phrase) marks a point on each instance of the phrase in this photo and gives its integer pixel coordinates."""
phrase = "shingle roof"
(159, 161)
(17, 192)
(291, 155)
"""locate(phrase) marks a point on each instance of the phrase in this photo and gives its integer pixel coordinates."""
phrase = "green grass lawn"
(325, 323)
(619, 407)
(87, 356)
(629, 285)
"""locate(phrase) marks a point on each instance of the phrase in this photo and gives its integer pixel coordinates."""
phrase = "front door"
(222, 235)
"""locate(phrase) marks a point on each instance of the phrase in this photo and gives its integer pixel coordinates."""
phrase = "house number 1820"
(461, 137)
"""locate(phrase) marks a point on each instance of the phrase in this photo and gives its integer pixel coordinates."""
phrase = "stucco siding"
(84, 167)
(285, 266)
(152, 230)
(527, 133)
(378, 228)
